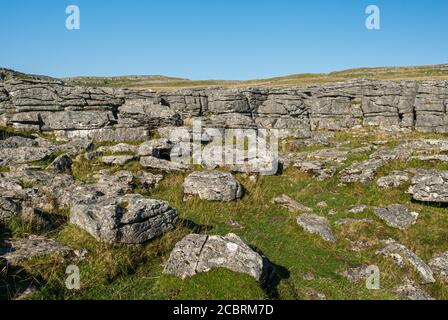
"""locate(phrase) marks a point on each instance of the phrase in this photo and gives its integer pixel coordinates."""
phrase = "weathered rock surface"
(400, 255)
(61, 163)
(439, 264)
(161, 164)
(355, 274)
(316, 225)
(290, 204)
(410, 291)
(117, 160)
(16, 251)
(362, 171)
(430, 186)
(213, 186)
(201, 253)
(129, 219)
(397, 216)
(393, 180)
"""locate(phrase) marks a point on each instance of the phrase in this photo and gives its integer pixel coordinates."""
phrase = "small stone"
(312, 294)
(308, 276)
(322, 204)
(290, 204)
(439, 264)
(410, 291)
(357, 274)
(357, 209)
(316, 225)
(16, 251)
(399, 253)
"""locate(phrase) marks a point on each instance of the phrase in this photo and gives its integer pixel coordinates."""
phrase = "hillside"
(435, 72)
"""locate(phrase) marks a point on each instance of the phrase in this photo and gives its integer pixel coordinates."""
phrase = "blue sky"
(219, 39)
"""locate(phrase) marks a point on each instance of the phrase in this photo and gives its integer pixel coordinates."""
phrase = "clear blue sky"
(219, 39)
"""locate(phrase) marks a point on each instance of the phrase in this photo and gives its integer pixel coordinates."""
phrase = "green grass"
(135, 272)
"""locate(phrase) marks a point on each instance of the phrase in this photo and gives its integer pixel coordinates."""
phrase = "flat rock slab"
(16, 251)
(213, 186)
(162, 165)
(201, 253)
(439, 264)
(430, 186)
(128, 219)
(397, 216)
(356, 274)
(393, 180)
(400, 254)
(362, 172)
(291, 204)
(117, 160)
(410, 291)
(316, 225)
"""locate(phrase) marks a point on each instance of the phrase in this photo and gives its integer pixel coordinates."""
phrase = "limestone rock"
(213, 186)
(397, 216)
(393, 180)
(16, 251)
(410, 291)
(161, 164)
(128, 219)
(400, 254)
(201, 253)
(117, 160)
(61, 163)
(291, 204)
(430, 186)
(356, 274)
(439, 263)
(316, 225)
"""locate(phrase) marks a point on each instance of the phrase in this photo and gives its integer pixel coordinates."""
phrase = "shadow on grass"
(437, 205)
(273, 274)
(194, 227)
(13, 280)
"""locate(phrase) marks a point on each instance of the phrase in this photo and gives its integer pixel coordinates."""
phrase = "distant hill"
(7, 74)
(436, 72)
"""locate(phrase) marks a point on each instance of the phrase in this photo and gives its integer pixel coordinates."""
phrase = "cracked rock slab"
(393, 180)
(410, 291)
(213, 186)
(316, 225)
(397, 216)
(400, 254)
(128, 219)
(16, 251)
(200, 253)
(430, 186)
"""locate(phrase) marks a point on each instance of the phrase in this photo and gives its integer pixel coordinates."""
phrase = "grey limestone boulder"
(213, 186)
(201, 253)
